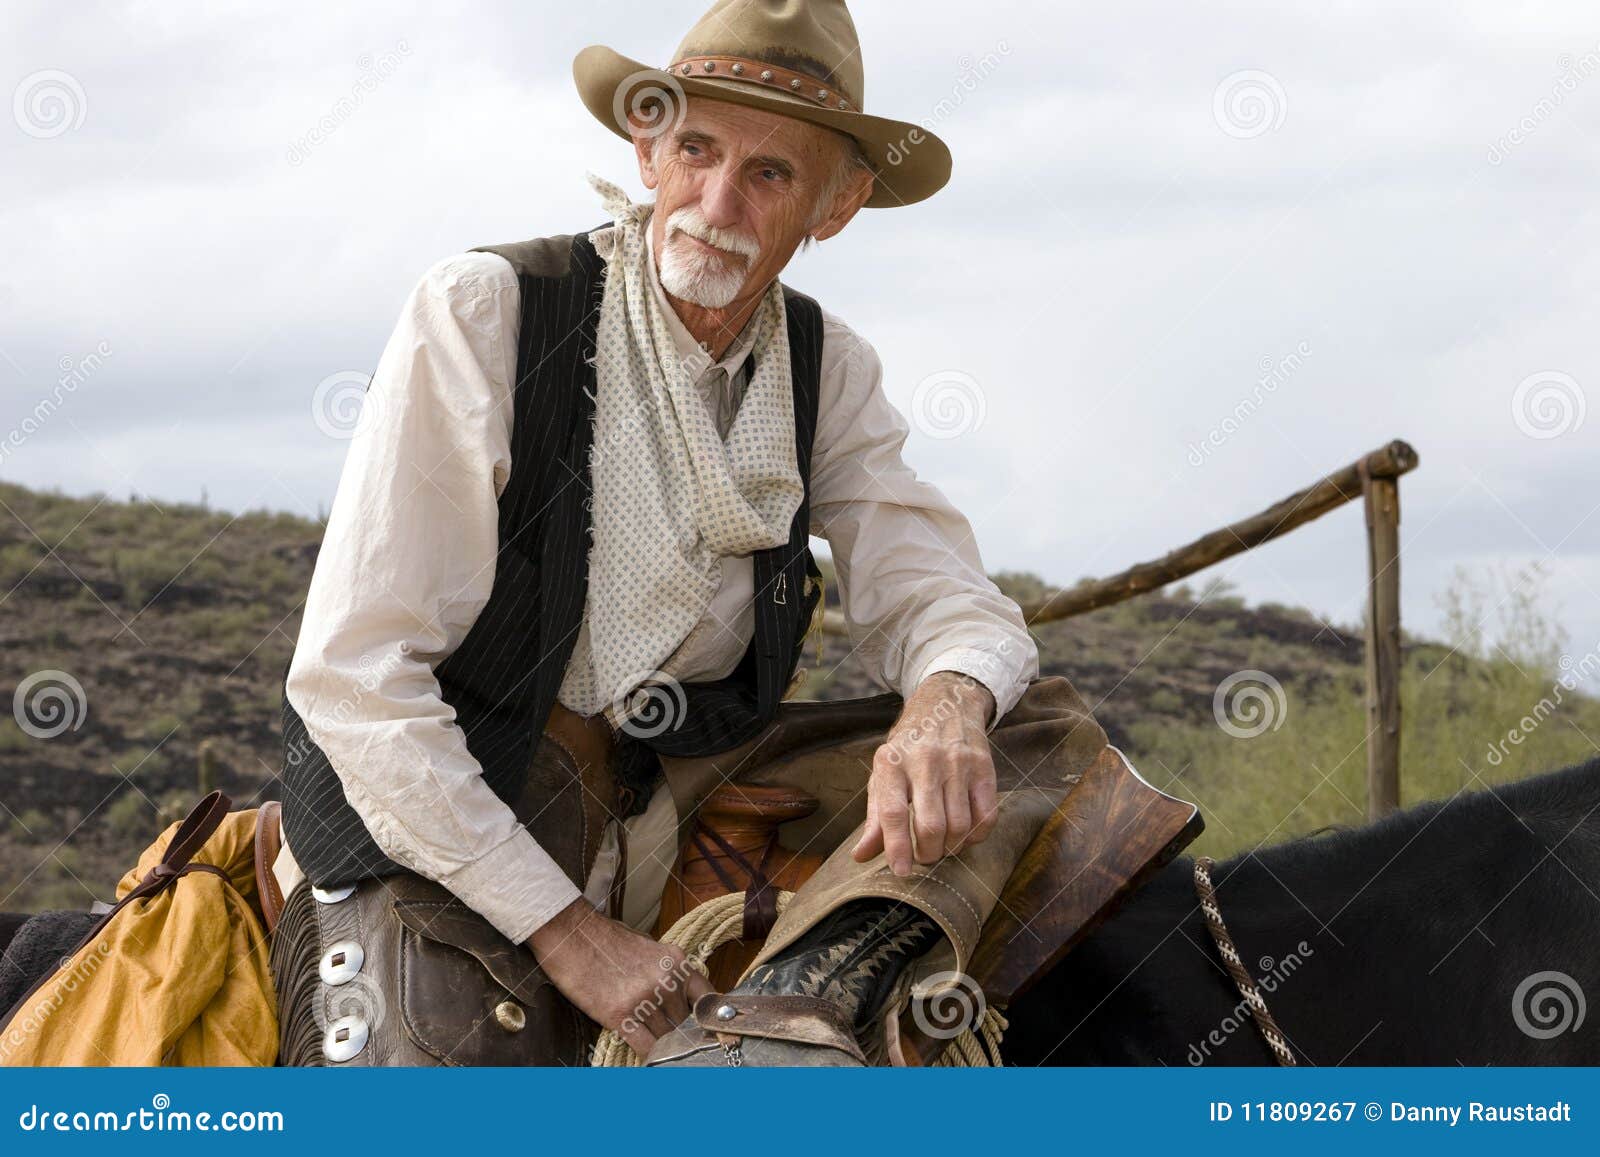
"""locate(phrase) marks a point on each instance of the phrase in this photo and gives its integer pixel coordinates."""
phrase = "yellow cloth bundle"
(176, 978)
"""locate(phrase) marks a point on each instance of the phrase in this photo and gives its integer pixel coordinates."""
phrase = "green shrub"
(1495, 710)
(131, 816)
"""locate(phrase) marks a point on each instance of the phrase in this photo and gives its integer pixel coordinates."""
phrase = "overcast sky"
(209, 210)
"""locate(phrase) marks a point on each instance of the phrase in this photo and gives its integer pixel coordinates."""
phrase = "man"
(726, 419)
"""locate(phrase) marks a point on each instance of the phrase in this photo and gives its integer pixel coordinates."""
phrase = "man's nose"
(721, 200)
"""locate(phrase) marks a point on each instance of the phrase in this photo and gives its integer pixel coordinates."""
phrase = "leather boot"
(808, 1004)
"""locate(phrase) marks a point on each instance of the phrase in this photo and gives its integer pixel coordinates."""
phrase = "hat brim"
(913, 163)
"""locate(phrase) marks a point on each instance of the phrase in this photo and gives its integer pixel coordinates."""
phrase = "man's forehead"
(750, 130)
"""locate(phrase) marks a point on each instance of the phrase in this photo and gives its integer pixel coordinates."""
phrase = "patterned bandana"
(670, 496)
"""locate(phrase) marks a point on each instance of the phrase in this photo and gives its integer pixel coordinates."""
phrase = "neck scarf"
(670, 495)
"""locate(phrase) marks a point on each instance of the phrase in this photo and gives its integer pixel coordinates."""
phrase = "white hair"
(853, 159)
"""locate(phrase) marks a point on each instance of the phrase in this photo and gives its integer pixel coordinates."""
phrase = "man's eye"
(771, 174)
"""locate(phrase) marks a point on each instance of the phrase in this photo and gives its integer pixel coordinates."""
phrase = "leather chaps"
(397, 971)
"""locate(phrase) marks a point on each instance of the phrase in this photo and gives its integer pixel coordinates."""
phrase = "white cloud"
(1108, 263)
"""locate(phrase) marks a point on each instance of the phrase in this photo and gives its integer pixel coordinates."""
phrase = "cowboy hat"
(797, 58)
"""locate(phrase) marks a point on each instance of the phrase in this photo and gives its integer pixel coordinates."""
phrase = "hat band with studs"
(759, 72)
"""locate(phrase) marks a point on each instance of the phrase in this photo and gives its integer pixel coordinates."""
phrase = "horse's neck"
(1402, 942)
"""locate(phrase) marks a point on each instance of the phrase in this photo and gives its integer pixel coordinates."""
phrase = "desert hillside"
(176, 623)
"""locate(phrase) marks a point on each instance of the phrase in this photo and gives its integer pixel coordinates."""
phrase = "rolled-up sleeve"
(911, 581)
(406, 565)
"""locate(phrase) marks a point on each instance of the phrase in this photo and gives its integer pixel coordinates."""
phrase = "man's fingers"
(675, 1002)
(653, 1016)
(985, 809)
(688, 986)
(887, 790)
(871, 841)
(638, 1038)
(957, 816)
(927, 820)
(697, 986)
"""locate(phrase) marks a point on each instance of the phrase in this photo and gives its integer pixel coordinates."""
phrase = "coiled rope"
(708, 926)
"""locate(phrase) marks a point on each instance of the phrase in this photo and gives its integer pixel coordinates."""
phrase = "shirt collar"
(688, 348)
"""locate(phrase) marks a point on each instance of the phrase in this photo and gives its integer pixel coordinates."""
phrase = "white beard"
(700, 278)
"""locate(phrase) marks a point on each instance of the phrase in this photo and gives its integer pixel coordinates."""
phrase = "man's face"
(735, 188)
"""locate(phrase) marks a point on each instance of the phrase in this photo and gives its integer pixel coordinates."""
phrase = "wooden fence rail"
(1374, 478)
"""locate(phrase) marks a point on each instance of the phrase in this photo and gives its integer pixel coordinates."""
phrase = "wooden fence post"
(1381, 496)
(1376, 478)
(1327, 493)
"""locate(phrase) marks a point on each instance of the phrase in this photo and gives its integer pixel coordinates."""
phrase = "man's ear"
(644, 135)
(849, 200)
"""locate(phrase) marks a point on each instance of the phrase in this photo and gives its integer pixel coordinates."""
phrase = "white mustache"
(688, 220)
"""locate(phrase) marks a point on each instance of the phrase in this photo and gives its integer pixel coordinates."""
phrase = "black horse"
(1463, 932)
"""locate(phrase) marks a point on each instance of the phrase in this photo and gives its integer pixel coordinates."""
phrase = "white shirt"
(408, 557)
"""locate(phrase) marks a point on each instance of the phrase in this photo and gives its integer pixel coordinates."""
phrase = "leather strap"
(800, 1019)
(196, 828)
(760, 897)
(759, 73)
(268, 841)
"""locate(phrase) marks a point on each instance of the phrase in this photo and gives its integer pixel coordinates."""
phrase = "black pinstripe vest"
(504, 677)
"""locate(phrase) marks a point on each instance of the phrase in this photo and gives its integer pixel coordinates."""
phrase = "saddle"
(1108, 835)
(736, 847)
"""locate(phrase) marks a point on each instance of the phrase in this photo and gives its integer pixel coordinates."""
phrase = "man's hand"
(617, 977)
(932, 789)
